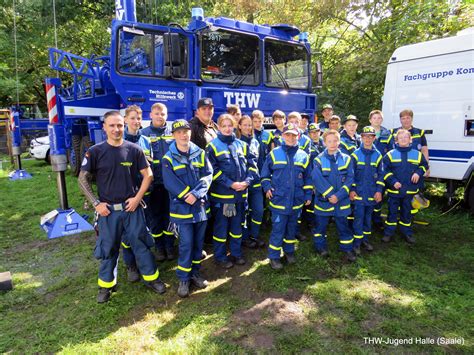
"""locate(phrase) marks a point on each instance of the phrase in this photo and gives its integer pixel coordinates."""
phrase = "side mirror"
(318, 70)
(172, 54)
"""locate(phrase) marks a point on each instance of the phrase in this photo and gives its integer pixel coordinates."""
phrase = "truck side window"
(135, 53)
(286, 65)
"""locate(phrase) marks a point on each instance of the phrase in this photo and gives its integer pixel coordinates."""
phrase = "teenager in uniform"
(384, 144)
(263, 137)
(116, 163)
(367, 189)
(404, 167)
(286, 181)
(350, 140)
(159, 134)
(304, 123)
(187, 175)
(304, 142)
(253, 216)
(279, 119)
(234, 171)
(334, 123)
(327, 112)
(333, 175)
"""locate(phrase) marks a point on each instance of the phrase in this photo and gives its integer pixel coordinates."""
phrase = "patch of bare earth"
(258, 326)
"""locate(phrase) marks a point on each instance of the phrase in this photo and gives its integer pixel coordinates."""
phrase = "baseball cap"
(179, 124)
(368, 130)
(325, 106)
(313, 127)
(291, 128)
(205, 101)
(351, 118)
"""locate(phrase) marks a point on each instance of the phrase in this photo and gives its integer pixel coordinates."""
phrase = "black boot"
(199, 281)
(157, 286)
(367, 246)
(104, 294)
(132, 273)
(249, 243)
(183, 289)
(290, 258)
(160, 255)
(276, 264)
(224, 264)
(349, 256)
(409, 239)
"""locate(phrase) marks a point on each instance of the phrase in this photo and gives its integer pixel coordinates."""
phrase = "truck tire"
(74, 154)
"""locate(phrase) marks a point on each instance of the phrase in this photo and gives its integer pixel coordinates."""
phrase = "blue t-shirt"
(116, 170)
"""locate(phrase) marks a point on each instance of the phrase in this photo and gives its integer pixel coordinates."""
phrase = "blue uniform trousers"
(394, 203)
(362, 223)
(254, 216)
(128, 256)
(377, 213)
(157, 216)
(283, 235)
(191, 241)
(342, 225)
(130, 228)
(224, 226)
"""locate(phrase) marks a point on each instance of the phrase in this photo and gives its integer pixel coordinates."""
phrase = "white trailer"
(436, 80)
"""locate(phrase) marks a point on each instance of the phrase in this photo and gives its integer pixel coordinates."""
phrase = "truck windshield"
(143, 53)
(230, 57)
(286, 65)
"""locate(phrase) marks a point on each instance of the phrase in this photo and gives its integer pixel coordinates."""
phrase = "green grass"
(402, 292)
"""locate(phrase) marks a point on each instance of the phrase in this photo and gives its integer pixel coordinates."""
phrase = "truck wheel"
(74, 154)
(48, 158)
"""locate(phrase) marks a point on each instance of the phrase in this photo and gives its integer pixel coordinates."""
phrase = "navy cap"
(291, 128)
(313, 127)
(368, 130)
(325, 106)
(179, 124)
(205, 101)
(351, 118)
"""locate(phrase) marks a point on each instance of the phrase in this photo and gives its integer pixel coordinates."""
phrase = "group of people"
(198, 180)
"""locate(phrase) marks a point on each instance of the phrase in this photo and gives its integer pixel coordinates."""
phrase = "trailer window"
(230, 57)
(286, 65)
(143, 53)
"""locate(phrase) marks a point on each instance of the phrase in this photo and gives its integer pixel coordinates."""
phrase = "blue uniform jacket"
(368, 175)
(332, 175)
(384, 142)
(232, 162)
(264, 139)
(417, 135)
(399, 165)
(348, 145)
(187, 174)
(254, 148)
(304, 142)
(160, 140)
(315, 149)
(276, 138)
(287, 172)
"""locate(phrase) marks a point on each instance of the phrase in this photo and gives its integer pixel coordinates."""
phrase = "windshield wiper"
(239, 80)
(273, 65)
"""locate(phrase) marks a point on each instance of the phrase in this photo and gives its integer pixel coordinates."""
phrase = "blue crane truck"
(255, 66)
(233, 62)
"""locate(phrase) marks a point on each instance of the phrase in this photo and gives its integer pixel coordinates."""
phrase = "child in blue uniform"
(234, 171)
(404, 168)
(367, 188)
(383, 143)
(333, 175)
(187, 175)
(279, 119)
(253, 216)
(286, 182)
(350, 140)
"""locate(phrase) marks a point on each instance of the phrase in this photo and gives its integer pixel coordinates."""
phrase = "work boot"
(367, 246)
(349, 256)
(170, 254)
(132, 273)
(249, 243)
(157, 286)
(386, 239)
(290, 258)
(183, 289)
(199, 281)
(160, 255)
(301, 237)
(224, 264)
(260, 242)
(409, 239)
(276, 264)
(104, 294)
(357, 250)
(237, 260)
(323, 253)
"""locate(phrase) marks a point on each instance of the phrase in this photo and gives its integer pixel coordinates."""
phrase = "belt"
(117, 207)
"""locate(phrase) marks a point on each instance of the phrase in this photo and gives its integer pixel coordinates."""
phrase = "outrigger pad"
(6, 283)
(19, 175)
(60, 223)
